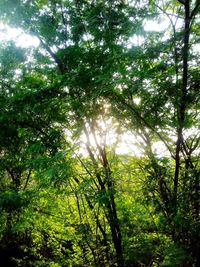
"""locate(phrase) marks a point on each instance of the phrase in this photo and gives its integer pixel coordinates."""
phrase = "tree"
(168, 105)
(88, 69)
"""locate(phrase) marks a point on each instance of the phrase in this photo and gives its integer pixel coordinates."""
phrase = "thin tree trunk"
(182, 103)
(112, 212)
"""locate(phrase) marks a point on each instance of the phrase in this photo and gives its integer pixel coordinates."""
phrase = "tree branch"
(194, 11)
(182, 1)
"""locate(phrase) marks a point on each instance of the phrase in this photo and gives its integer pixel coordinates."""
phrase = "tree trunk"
(183, 99)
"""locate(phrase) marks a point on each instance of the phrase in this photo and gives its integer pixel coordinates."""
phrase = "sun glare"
(118, 141)
(21, 39)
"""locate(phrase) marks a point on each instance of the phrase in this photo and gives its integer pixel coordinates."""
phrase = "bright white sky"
(25, 40)
(18, 36)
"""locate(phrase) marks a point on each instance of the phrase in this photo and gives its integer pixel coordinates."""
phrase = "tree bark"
(183, 100)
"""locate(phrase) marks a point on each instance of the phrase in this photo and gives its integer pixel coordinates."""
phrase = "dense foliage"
(100, 74)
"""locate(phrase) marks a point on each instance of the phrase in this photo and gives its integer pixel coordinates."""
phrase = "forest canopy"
(100, 136)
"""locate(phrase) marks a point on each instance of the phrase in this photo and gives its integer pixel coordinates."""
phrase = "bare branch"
(182, 1)
(27, 179)
(195, 10)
